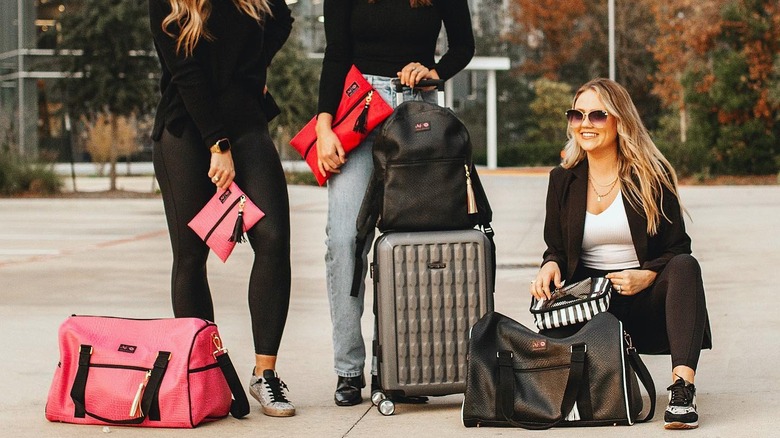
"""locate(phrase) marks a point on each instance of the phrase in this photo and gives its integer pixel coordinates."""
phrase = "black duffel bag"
(517, 377)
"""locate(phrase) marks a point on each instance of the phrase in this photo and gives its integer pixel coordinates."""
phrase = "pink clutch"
(224, 220)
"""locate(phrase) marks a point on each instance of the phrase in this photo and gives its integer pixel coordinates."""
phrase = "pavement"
(111, 257)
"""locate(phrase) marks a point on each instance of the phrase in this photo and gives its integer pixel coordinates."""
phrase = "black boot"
(348, 390)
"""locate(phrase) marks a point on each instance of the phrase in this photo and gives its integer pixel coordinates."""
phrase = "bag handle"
(506, 387)
(149, 402)
(239, 407)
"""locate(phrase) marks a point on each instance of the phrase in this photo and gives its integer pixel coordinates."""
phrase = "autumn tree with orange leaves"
(729, 90)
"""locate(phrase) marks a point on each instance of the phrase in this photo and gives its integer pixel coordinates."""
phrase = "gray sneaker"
(271, 392)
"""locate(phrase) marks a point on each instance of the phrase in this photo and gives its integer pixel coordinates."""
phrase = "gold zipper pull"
(135, 408)
(471, 201)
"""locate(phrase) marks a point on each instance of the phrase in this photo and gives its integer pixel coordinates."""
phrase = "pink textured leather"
(215, 222)
(192, 390)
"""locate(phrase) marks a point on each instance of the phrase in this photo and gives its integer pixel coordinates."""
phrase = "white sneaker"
(271, 392)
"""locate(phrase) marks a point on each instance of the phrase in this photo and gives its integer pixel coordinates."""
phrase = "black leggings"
(669, 317)
(181, 165)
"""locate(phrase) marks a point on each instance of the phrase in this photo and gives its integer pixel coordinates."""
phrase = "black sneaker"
(681, 412)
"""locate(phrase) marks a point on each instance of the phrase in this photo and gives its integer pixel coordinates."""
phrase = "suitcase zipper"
(339, 121)
(240, 198)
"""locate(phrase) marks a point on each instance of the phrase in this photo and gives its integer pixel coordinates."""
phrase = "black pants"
(669, 317)
(181, 165)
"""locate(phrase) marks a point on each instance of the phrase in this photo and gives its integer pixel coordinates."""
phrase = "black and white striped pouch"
(572, 304)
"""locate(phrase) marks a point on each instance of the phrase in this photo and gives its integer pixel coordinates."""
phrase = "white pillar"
(492, 131)
(611, 26)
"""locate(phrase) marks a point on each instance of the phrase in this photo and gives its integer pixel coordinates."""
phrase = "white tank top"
(606, 242)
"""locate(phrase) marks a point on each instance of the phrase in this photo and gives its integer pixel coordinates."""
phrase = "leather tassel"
(135, 408)
(238, 229)
(362, 121)
(471, 200)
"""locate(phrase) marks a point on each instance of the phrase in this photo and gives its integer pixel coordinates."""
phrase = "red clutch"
(224, 220)
(361, 110)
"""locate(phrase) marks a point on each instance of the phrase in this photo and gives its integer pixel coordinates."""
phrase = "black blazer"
(224, 77)
(565, 224)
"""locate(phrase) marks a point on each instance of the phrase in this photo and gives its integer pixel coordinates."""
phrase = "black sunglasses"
(597, 117)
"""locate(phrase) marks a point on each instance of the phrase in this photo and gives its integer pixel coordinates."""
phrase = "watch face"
(223, 145)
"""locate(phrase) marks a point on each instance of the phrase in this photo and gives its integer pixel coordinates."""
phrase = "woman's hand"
(221, 171)
(414, 72)
(631, 281)
(330, 152)
(550, 273)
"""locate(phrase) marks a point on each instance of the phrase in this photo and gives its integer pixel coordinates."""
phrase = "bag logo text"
(352, 89)
(422, 126)
(540, 345)
(224, 197)
(124, 348)
(437, 265)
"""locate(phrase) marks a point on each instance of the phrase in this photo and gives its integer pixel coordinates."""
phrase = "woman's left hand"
(631, 281)
(414, 72)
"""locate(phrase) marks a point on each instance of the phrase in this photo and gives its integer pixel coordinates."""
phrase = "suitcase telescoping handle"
(399, 88)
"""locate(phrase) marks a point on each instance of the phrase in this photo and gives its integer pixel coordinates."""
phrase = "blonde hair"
(637, 154)
(190, 17)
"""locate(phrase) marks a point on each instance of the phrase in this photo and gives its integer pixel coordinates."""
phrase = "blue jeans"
(345, 195)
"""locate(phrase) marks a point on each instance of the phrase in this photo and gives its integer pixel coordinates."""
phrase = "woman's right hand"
(222, 170)
(550, 273)
(330, 152)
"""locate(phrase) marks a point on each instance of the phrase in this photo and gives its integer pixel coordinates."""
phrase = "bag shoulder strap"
(239, 407)
(365, 224)
(506, 388)
(646, 379)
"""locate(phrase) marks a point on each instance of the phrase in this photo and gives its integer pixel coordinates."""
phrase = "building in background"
(33, 117)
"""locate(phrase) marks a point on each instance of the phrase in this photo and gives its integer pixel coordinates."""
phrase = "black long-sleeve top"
(381, 38)
(230, 66)
(564, 224)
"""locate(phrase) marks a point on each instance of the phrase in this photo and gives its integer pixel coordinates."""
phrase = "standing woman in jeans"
(385, 39)
(211, 128)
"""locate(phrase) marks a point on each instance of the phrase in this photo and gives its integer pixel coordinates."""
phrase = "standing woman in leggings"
(211, 128)
(385, 39)
(613, 210)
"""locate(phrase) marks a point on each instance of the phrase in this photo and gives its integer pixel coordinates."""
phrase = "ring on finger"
(215, 178)
(619, 289)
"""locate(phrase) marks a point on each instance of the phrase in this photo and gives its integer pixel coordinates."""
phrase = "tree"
(731, 92)
(293, 81)
(110, 60)
(686, 30)
(550, 31)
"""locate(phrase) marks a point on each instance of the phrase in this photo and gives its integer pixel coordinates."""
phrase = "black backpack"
(423, 179)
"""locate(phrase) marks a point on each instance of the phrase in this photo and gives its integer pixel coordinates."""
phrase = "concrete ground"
(112, 257)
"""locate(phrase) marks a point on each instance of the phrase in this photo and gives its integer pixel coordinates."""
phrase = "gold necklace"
(609, 184)
(599, 195)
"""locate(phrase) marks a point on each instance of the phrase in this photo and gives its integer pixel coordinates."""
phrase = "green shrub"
(523, 154)
(20, 177)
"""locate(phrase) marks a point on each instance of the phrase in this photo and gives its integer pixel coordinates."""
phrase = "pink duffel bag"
(170, 372)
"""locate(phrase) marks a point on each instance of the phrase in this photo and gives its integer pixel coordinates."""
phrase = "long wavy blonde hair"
(190, 16)
(642, 168)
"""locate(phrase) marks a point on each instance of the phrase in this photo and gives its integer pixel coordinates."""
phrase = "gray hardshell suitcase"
(429, 289)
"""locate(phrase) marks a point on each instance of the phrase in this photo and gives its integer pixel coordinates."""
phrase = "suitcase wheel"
(386, 407)
(377, 396)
